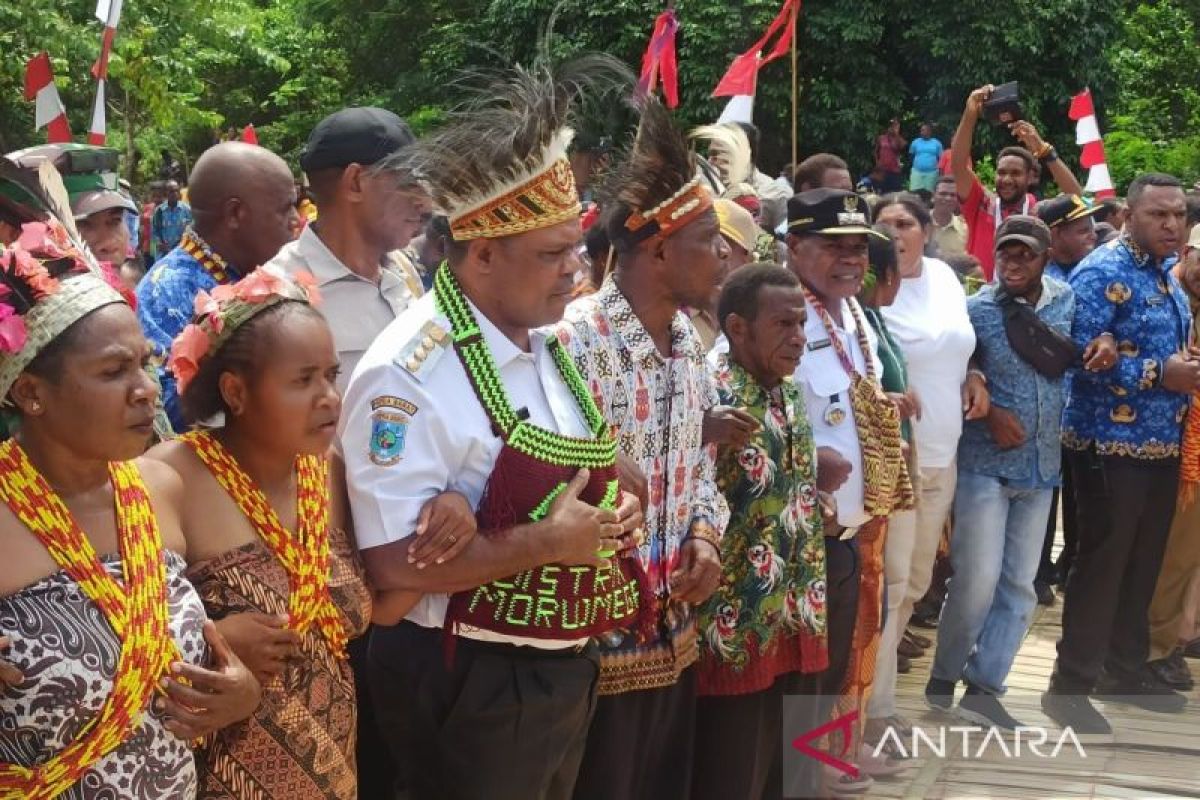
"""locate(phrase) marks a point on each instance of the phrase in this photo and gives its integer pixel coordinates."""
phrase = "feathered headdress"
(731, 142)
(656, 190)
(500, 167)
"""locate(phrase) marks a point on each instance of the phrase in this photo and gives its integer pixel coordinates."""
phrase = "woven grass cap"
(75, 298)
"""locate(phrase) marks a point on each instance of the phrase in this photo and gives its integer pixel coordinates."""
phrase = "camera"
(1004, 105)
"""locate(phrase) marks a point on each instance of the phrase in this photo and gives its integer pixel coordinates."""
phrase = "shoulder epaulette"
(424, 348)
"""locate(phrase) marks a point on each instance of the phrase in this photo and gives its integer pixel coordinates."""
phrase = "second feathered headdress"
(656, 190)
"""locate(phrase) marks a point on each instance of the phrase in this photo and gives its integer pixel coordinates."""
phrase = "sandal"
(878, 766)
(901, 725)
(841, 784)
(923, 642)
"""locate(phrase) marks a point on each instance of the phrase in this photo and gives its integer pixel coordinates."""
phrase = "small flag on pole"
(741, 79)
(1087, 136)
(108, 12)
(659, 59)
(49, 111)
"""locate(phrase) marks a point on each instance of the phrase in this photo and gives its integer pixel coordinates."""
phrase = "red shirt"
(887, 154)
(979, 209)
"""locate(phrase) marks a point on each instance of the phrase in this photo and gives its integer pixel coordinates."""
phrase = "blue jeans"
(995, 552)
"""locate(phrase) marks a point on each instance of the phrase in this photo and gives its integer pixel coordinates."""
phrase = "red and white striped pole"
(108, 12)
(49, 111)
(1087, 136)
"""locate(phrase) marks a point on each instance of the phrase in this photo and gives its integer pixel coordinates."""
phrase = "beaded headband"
(541, 198)
(36, 306)
(229, 307)
(546, 200)
(670, 215)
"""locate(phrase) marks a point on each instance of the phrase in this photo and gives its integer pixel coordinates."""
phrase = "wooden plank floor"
(1149, 755)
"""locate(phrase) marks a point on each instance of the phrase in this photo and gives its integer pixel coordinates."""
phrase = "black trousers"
(377, 778)
(1049, 570)
(740, 740)
(1124, 510)
(498, 723)
(640, 745)
(843, 570)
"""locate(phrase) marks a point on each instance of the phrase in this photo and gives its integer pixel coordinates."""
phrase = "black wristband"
(1050, 157)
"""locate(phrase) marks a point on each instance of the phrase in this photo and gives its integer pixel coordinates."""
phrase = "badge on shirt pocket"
(390, 418)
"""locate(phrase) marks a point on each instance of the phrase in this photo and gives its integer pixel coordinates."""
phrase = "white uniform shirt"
(825, 383)
(442, 439)
(357, 309)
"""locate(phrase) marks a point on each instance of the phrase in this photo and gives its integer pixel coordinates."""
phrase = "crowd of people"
(429, 479)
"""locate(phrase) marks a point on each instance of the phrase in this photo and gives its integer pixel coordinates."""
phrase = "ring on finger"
(452, 538)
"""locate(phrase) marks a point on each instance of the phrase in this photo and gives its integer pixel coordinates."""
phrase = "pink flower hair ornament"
(217, 315)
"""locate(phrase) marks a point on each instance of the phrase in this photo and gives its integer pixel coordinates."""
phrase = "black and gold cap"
(829, 212)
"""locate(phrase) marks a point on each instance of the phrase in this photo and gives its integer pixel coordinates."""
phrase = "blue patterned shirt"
(1058, 272)
(166, 300)
(168, 224)
(1036, 400)
(1125, 411)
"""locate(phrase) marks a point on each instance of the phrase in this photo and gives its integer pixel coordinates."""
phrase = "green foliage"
(1157, 112)
(186, 73)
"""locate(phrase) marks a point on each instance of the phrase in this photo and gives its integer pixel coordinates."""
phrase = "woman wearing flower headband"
(271, 549)
(100, 684)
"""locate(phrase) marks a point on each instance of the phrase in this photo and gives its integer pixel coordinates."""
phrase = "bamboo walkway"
(1149, 755)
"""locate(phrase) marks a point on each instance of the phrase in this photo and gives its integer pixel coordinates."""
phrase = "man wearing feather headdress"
(486, 688)
(646, 369)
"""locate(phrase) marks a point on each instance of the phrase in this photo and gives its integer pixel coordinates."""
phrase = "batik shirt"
(166, 301)
(1126, 411)
(655, 406)
(1035, 399)
(767, 617)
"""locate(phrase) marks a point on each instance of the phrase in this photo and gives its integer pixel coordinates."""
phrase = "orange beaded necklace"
(136, 610)
(305, 554)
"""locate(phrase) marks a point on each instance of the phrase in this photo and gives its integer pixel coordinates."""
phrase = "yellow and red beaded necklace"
(136, 610)
(211, 262)
(304, 555)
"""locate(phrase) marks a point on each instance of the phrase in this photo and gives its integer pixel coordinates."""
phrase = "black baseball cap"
(829, 212)
(1066, 208)
(359, 135)
(1025, 229)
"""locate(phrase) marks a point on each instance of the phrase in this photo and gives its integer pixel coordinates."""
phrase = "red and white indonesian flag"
(1087, 136)
(740, 80)
(49, 111)
(108, 12)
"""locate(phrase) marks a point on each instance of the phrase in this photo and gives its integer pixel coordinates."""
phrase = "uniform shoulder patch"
(421, 353)
(390, 418)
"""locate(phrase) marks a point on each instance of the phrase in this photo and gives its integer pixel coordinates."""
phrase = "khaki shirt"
(357, 309)
(951, 240)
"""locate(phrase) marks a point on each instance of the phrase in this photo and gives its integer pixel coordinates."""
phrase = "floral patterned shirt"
(655, 407)
(767, 617)
(1126, 411)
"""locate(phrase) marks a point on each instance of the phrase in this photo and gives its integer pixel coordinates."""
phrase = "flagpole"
(795, 85)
